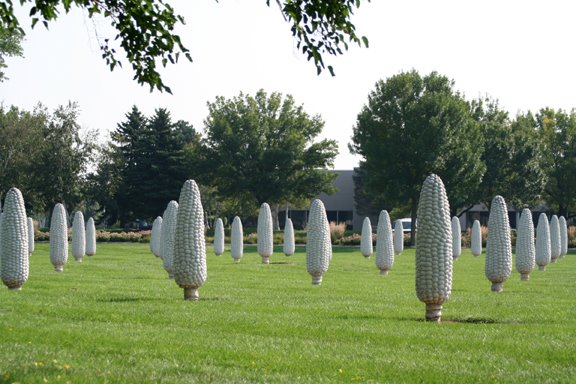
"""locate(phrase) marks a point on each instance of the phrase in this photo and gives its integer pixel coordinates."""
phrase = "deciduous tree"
(413, 126)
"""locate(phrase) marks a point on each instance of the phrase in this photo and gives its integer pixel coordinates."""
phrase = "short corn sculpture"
(366, 247)
(555, 241)
(218, 237)
(237, 239)
(58, 238)
(30, 236)
(434, 248)
(78, 237)
(14, 241)
(90, 237)
(498, 245)
(289, 242)
(265, 233)
(167, 237)
(563, 236)
(384, 244)
(190, 270)
(543, 249)
(476, 239)
(156, 236)
(456, 238)
(318, 242)
(525, 248)
(398, 237)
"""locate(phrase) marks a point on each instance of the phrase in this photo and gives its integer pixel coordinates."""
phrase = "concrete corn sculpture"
(543, 249)
(555, 241)
(525, 248)
(190, 270)
(434, 248)
(156, 236)
(456, 238)
(366, 238)
(90, 237)
(218, 237)
(476, 239)
(289, 243)
(237, 239)
(30, 236)
(58, 238)
(318, 242)
(78, 237)
(265, 233)
(398, 237)
(563, 236)
(14, 241)
(168, 237)
(498, 265)
(384, 244)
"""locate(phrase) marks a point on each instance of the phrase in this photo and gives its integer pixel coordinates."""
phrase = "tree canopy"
(262, 148)
(10, 46)
(145, 30)
(413, 126)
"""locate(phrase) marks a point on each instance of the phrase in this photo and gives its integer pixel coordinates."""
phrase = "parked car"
(406, 225)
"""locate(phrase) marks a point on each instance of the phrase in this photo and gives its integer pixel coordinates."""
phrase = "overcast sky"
(519, 52)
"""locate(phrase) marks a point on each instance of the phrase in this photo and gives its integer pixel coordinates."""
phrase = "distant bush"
(571, 237)
(337, 231)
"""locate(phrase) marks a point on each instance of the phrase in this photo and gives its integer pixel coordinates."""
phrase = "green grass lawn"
(117, 318)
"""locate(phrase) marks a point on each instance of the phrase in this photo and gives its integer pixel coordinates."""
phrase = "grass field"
(116, 318)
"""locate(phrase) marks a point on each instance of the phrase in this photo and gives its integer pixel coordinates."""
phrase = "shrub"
(337, 231)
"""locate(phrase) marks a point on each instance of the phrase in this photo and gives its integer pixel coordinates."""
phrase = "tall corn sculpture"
(543, 249)
(434, 248)
(14, 241)
(265, 233)
(498, 245)
(190, 271)
(366, 238)
(384, 244)
(318, 242)
(525, 248)
(58, 238)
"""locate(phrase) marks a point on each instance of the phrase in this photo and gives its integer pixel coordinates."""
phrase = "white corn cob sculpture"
(167, 237)
(563, 236)
(555, 241)
(434, 248)
(237, 239)
(289, 242)
(318, 242)
(543, 249)
(366, 239)
(265, 233)
(190, 270)
(498, 245)
(78, 237)
(156, 236)
(476, 239)
(398, 237)
(58, 238)
(14, 241)
(525, 248)
(384, 244)
(218, 237)
(30, 236)
(456, 237)
(90, 238)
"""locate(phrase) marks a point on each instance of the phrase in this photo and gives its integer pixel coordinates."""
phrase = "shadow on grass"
(464, 320)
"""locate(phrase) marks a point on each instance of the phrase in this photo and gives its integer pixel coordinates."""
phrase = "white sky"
(519, 52)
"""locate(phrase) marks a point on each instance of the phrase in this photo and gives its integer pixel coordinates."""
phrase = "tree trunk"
(275, 218)
(414, 212)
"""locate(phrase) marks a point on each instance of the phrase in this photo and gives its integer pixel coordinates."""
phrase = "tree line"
(414, 125)
(254, 149)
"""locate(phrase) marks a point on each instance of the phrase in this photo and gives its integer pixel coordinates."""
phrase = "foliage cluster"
(416, 125)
